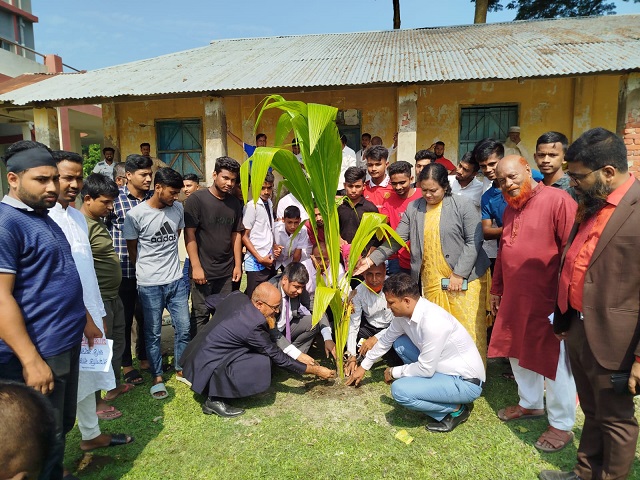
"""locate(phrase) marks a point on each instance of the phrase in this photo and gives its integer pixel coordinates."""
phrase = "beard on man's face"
(591, 200)
(519, 200)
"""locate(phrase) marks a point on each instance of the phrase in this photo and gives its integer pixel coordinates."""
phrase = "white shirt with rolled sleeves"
(445, 345)
(374, 307)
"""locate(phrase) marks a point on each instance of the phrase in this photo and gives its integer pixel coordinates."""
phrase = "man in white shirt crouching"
(443, 372)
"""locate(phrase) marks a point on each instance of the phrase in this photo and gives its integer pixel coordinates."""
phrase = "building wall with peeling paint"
(568, 105)
(136, 121)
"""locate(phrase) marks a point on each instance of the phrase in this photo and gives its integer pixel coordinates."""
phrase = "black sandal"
(133, 377)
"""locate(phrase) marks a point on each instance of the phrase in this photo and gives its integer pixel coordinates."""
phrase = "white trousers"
(561, 392)
(87, 418)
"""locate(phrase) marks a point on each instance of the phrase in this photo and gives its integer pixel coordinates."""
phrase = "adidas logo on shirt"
(165, 234)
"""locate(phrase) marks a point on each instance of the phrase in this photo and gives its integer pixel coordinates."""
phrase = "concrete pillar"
(628, 125)
(26, 131)
(64, 129)
(46, 127)
(111, 130)
(407, 122)
(215, 134)
(583, 99)
(53, 63)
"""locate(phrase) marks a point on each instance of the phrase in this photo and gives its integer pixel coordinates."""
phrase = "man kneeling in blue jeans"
(152, 229)
(443, 372)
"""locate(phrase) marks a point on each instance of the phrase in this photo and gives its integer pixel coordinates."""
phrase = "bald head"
(266, 298)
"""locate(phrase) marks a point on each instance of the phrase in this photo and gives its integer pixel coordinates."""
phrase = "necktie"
(266, 206)
(287, 326)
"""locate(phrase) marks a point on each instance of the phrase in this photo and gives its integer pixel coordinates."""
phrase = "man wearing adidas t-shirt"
(152, 230)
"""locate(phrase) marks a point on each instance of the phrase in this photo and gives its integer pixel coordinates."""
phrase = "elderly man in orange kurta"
(537, 223)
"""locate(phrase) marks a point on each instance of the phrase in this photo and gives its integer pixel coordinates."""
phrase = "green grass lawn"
(306, 428)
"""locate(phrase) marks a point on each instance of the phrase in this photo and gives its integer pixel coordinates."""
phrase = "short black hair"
(97, 184)
(401, 285)
(440, 143)
(135, 162)
(191, 177)
(377, 152)
(27, 427)
(597, 148)
(425, 155)
(468, 158)
(487, 147)
(291, 212)
(260, 135)
(554, 137)
(400, 167)
(168, 177)
(366, 135)
(60, 155)
(22, 145)
(108, 149)
(343, 138)
(145, 144)
(296, 272)
(228, 164)
(353, 174)
(269, 178)
(437, 172)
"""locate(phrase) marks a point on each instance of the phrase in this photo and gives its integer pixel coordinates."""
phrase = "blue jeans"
(155, 299)
(435, 396)
(185, 275)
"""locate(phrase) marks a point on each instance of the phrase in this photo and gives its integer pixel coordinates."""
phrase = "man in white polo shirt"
(443, 371)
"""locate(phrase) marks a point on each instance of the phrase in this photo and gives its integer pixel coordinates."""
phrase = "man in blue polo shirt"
(43, 314)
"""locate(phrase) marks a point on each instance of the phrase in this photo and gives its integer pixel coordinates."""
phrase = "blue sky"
(90, 34)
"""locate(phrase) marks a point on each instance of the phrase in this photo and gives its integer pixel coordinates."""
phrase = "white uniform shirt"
(374, 307)
(289, 243)
(256, 218)
(473, 190)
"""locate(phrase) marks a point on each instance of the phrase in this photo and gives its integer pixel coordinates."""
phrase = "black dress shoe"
(218, 407)
(448, 423)
(556, 475)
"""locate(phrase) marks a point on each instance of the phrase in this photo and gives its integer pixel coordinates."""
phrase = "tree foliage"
(92, 155)
(536, 9)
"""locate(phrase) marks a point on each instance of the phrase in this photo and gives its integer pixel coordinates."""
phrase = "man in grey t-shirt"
(152, 230)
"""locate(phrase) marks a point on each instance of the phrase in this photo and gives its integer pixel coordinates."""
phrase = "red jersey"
(394, 208)
(446, 163)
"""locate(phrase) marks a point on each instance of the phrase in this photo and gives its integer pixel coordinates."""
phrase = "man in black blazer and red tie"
(598, 304)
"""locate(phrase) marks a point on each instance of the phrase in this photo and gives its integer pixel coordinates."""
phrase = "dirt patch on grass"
(90, 463)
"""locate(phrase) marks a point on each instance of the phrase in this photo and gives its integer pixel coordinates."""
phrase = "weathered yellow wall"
(545, 104)
(136, 121)
(378, 107)
(568, 105)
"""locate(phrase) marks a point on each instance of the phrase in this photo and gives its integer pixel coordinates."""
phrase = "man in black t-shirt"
(212, 235)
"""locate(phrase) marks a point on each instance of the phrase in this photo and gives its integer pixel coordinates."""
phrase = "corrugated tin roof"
(542, 48)
(23, 80)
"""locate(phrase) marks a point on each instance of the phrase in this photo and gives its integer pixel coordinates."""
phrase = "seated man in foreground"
(231, 356)
(443, 371)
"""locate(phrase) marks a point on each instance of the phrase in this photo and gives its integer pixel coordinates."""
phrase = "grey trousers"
(302, 333)
(114, 322)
